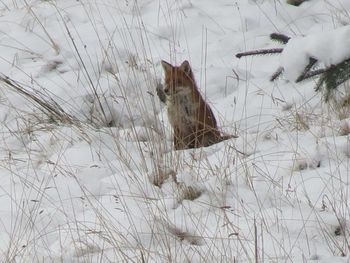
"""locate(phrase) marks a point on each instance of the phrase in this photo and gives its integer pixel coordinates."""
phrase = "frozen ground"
(88, 173)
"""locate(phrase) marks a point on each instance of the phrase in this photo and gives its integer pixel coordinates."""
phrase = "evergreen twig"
(333, 77)
(330, 78)
(311, 74)
(259, 52)
(277, 74)
(280, 38)
(306, 71)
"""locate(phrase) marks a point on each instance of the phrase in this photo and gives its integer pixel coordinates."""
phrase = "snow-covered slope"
(88, 173)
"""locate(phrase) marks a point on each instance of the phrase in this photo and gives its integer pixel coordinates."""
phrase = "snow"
(102, 183)
(329, 48)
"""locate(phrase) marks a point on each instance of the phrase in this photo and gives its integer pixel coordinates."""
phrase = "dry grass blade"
(46, 105)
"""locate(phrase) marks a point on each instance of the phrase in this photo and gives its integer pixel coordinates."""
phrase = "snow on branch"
(325, 55)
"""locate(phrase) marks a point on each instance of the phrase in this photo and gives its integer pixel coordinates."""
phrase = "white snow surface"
(102, 183)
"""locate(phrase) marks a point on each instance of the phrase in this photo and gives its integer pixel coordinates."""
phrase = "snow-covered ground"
(88, 172)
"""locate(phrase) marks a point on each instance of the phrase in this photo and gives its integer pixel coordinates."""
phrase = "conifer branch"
(277, 74)
(306, 72)
(333, 77)
(311, 74)
(280, 38)
(330, 78)
(259, 52)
